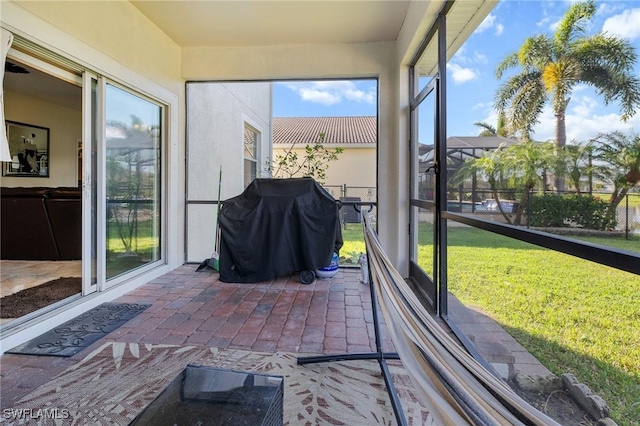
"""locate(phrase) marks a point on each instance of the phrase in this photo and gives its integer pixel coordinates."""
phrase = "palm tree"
(551, 67)
(577, 162)
(516, 169)
(488, 167)
(621, 153)
(526, 164)
(499, 130)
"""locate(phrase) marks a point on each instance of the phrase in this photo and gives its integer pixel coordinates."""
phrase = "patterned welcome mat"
(72, 336)
(111, 385)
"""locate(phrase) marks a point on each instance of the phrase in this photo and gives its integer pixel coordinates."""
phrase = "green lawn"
(144, 245)
(353, 244)
(634, 198)
(575, 316)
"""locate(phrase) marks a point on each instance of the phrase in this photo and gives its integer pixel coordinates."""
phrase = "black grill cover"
(276, 227)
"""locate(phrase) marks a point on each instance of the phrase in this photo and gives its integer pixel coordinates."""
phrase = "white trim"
(101, 186)
(45, 67)
(87, 179)
(259, 131)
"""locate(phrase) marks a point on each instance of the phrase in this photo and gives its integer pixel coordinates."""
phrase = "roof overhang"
(462, 19)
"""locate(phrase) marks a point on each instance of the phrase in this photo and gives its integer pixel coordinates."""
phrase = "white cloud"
(554, 25)
(487, 23)
(545, 18)
(490, 22)
(318, 96)
(481, 58)
(626, 24)
(486, 106)
(360, 96)
(461, 75)
(331, 92)
(491, 118)
(607, 8)
(583, 122)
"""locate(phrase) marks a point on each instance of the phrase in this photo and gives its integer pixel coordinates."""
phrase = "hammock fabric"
(458, 388)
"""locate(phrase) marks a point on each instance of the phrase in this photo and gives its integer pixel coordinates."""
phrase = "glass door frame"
(426, 283)
(433, 288)
(91, 258)
(104, 282)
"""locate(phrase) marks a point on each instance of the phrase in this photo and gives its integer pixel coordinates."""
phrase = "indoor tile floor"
(17, 275)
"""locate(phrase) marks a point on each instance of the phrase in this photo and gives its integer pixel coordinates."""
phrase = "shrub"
(554, 210)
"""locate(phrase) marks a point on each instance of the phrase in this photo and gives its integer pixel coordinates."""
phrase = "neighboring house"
(357, 136)
(133, 62)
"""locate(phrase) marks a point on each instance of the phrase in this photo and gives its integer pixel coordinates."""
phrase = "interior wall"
(65, 129)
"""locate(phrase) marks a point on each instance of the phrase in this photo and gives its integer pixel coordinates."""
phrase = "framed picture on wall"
(29, 148)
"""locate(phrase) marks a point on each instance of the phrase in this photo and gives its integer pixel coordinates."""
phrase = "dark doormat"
(71, 337)
(31, 299)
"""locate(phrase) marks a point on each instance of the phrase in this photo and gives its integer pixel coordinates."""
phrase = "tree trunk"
(494, 191)
(616, 197)
(524, 200)
(560, 142)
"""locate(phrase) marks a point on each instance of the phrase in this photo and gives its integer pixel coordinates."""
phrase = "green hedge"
(553, 210)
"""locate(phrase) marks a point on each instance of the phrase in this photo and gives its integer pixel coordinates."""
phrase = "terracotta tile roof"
(337, 130)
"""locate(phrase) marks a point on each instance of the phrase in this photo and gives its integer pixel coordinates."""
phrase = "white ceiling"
(215, 23)
(258, 23)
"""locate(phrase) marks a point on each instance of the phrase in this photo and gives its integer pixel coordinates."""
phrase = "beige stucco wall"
(113, 28)
(215, 133)
(355, 166)
(65, 129)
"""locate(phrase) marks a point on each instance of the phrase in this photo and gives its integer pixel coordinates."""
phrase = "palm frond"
(572, 24)
(509, 62)
(488, 129)
(536, 52)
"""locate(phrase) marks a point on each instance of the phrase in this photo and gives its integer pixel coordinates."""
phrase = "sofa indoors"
(41, 223)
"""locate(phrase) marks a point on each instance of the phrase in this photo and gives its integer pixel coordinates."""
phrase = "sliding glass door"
(132, 181)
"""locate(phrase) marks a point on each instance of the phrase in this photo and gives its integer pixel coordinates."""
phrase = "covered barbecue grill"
(276, 227)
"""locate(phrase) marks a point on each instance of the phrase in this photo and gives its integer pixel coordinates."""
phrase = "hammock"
(459, 390)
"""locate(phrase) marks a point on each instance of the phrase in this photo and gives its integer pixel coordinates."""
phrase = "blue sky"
(471, 74)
